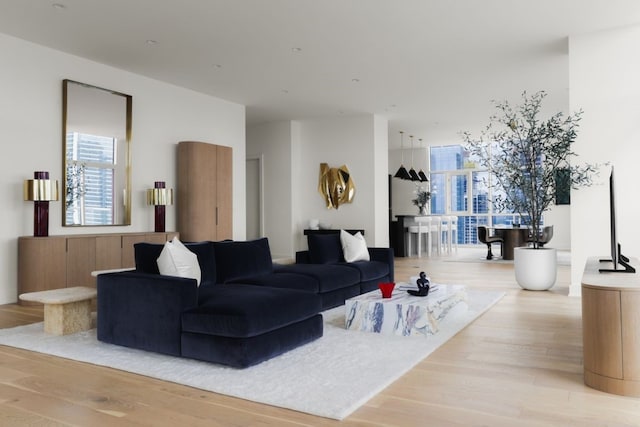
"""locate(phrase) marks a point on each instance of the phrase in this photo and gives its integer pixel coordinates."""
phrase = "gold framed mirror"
(96, 144)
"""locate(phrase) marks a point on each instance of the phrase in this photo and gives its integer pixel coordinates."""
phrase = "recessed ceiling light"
(284, 91)
(151, 42)
(355, 80)
(217, 66)
(296, 49)
(58, 6)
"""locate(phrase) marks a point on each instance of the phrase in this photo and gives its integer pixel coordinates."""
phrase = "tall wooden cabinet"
(63, 261)
(204, 191)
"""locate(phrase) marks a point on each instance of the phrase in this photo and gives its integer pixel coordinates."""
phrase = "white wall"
(381, 181)
(560, 217)
(31, 123)
(604, 70)
(298, 187)
(360, 142)
(273, 142)
(292, 153)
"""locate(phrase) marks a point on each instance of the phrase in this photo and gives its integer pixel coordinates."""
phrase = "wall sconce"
(40, 190)
(159, 196)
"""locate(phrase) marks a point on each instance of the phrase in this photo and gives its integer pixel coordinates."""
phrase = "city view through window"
(459, 187)
(90, 179)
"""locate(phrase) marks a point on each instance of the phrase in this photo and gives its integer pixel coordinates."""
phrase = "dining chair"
(547, 234)
(450, 232)
(436, 231)
(422, 227)
(484, 237)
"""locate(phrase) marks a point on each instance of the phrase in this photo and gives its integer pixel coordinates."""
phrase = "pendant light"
(402, 172)
(421, 174)
(413, 175)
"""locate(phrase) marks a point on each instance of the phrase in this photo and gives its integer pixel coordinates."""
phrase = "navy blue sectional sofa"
(245, 310)
(324, 260)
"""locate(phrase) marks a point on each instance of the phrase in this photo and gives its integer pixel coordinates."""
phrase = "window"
(90, 183)
(460, 187)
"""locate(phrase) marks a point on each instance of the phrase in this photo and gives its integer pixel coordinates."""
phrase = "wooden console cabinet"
(205, 193)
(611, 329)
(55, 262)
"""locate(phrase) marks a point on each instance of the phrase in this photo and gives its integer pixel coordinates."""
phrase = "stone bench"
(66, 310)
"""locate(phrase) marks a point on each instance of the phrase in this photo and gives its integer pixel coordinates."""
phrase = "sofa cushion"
(300, 282)
(330, 277)
(146, 256)
(324, 248)
(354, 247)
(369, 270)
(246, 310)
(176, 260)
(237, 260)
(339, 296)
(245, 352)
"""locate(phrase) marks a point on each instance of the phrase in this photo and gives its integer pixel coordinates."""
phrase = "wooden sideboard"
(611, 329)
(63, 261)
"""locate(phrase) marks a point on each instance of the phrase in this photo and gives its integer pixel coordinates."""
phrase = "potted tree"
(529, 161)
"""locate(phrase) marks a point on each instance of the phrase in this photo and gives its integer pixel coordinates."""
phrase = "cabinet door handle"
(216, 215)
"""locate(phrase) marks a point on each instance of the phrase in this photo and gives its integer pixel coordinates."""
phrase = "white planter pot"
(536, 269)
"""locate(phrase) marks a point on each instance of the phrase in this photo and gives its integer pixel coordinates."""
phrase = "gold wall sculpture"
(336, 185)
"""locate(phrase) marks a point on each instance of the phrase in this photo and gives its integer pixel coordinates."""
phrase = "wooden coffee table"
(404, 314)
(66, 310)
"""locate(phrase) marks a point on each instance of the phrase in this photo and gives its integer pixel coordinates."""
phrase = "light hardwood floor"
(520, 364)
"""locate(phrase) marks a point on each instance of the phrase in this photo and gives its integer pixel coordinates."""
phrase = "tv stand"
(622, 260)
(610, 324)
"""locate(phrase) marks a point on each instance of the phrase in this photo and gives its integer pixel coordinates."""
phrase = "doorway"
(254, 195)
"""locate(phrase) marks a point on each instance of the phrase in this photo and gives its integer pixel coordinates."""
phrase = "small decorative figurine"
(423, 286)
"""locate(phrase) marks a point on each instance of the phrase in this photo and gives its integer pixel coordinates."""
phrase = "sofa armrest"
(302, 257)
(144, 311)
(383, 255)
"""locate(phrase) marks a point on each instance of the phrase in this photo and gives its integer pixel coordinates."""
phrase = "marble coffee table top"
(401, 296)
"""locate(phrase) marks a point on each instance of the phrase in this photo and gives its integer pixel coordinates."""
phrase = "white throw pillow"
(354, 247)
(176, 260)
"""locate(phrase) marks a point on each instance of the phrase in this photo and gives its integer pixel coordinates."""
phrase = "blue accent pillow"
(325, 248)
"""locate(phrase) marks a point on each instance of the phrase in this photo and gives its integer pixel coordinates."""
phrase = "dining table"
(512, 237)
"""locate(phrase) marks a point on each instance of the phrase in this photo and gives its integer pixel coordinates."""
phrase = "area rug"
(330, 377)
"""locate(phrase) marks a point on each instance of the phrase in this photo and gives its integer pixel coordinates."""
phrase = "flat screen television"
(619, 261)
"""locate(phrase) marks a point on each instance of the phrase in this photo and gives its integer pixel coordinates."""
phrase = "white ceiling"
(430, 66)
